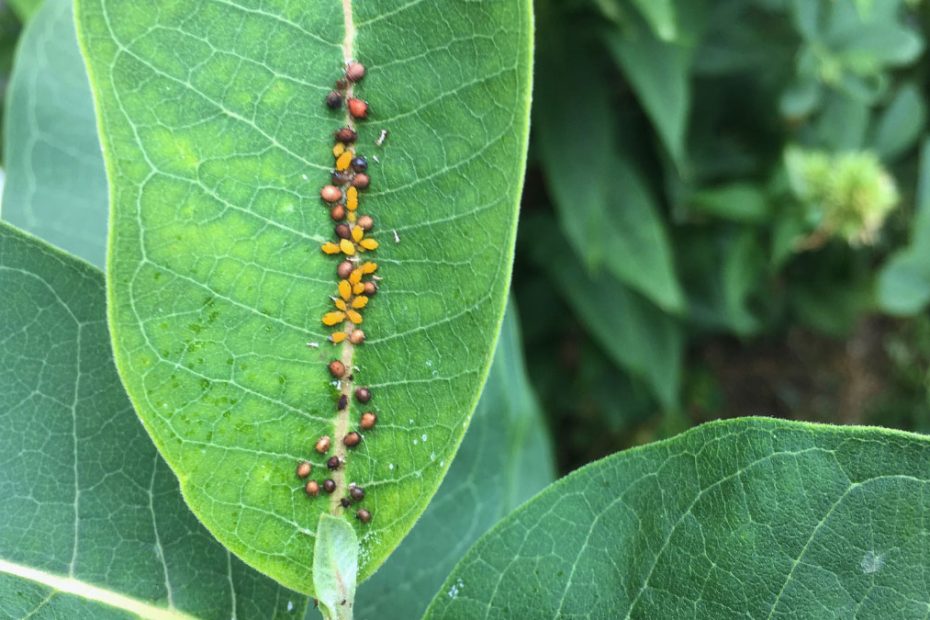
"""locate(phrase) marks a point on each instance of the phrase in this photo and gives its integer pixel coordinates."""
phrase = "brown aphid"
(357, 337)
(329, 485)
(361, 181)
(333, 463)
(371, 289)
(355, 71)
(338, 213)
(368, 421)
(344, 270)
(363, 395)
(312, 488)
(345, 502)
(352, 439)
(366, 222)
(334, 100)
(343, 231)
(303, 469)
(340, 177)
(363, 515)
(323, 444)
(346, 135)
(337, 369)
(343, 402)
(357, 107)
(331, 193)
(357, 493)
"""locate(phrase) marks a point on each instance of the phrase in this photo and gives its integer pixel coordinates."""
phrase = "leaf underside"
(752, 518)
(217, 143)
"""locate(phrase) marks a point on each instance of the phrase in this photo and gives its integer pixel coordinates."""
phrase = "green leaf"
(755, 518)
(217, 142)
(92, 524)
(739, 202)
(55, 182)
(660, 14)
(25, 9)
(335, 567)
(504, 460)
(901, 124)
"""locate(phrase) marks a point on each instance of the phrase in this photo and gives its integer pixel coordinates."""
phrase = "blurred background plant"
(727, 213)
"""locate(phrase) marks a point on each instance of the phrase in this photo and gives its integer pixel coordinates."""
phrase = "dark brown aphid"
(334, 100)
(329, 485)
(331, 193)
(333, 463)
(352, 439)
(368, 421)
(355, 71)
(363, 395)
(337, 369)
(344, 270)
(371, 289)
(363, 515)
(346, 135)
(338, 213)
(361, 181)
(304, 469)
(366, 222)
(357, 107)
(340, 177)
(322, 444)
(357, 493)
(359, 164)
(345, 502)
(357, 337)
(343, 231)
(312, 488)
(343, 402)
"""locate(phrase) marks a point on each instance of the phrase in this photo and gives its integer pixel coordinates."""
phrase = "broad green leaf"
(92, 524)
(25, 9)
(739, 202)
(750, 518)
(217, 143)
(901, 124)
(660, 14)
(335, 567)
(55, 182)
(504, 460)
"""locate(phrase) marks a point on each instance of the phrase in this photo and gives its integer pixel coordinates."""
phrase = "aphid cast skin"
(362, 395)
(352, 439)
(382, 137)
(355, 71)
(323, 444)
(364, 516)
(368, 421)
(303, 469)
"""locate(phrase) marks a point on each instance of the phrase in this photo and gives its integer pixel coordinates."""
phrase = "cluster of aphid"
(357, 282)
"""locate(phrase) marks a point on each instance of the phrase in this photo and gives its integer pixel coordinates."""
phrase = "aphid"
(331, 193)
(361, 181)
(343, 402)
(339, 149)
(329, 485)
(330, 248)
(337, 369)
(352, 199)
(366, 222)
(338, 213)
(331, 318)
(344, 270)
(340, 177)
(343, 231)
(357, 337)
(381, 137)
(333, 463)
(368, 421)
(345, 502)
(346, 135)
(363, 515)
(334, 100)
(357, 493)
(371, 289)
(362, 395)
(337, 337)
(352, 439)
(342, 163)
(347, 247)
(359, 164)
(312, 488)
(357, 107)
(322, 444)
(304, 469)
(355, 71)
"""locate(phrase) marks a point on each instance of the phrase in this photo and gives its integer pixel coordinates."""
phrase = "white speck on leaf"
(423, 437)
(290, 606)
(872, 562)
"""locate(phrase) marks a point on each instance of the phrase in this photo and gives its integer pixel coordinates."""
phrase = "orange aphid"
(347, 247)
(355, 277)
(343, 161)
(339, 149)
(330, 248)
(332, 318)
(338, 337)
(359, 302)
(358, 289)
(368, 268)
(369, 244)
(345, 289)
(354, 316)
(352, 199)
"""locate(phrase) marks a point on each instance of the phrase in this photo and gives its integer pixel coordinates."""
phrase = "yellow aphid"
(347, 247)
(355, 277)
(358, 288)
(330, 248)
(357, 234)
(343, 161)
(354, 316)
(338, 337)
(352, 199)
(369, 244)
(345, 289)
(368, 268)
(340, 304)
(352, 217)
(360, 302)
(332, 318)
(339, 149)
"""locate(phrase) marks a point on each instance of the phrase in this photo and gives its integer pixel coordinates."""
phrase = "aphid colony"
(356, 280)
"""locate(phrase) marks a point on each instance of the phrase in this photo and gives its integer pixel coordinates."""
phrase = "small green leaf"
(217, 142)
(754, 518)
(901, 124)
(92, 524)
(660, 14)
(55, 182)
(739, 202)
(335, 567)
(25, 9)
